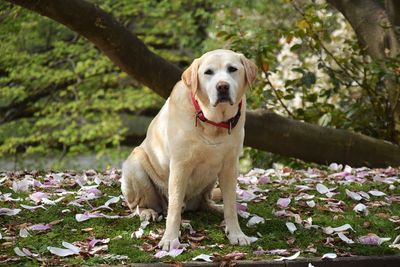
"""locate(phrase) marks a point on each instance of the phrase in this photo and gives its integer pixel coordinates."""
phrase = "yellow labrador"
(195, 139)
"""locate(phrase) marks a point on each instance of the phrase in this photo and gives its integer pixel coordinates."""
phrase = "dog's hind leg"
(138, 189)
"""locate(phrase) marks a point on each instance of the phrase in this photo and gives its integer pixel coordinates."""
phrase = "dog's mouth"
(224, 100)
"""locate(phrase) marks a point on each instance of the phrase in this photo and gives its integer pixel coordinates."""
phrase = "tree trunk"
(264, 130)
(374, 27)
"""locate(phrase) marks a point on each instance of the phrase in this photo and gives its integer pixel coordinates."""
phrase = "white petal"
(62, 252)
(19, 252)
(294, 256)
(112, 200)
(344, 238)
(311, 203)
(71, 247)
(23, 233)
(376, 193)
(353, 195)
(9, 212)
(291, 227)
(360, 208)
(342, 228)
(138, 233)
(203, 257)
(32, 207)
(322, 189)
(144, 224)
(255, 220)
(310, 265)
(329, 256)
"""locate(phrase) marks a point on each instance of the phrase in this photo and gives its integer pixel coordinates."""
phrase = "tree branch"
(264, 130)
(372, 25)
(118, 43)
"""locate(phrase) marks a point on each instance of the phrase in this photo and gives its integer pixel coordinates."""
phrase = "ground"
(288, 210)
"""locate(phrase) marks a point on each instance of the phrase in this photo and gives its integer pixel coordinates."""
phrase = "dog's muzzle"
(223, 94)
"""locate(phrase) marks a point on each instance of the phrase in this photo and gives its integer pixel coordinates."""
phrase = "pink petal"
(40, 227)
(241, 207)
(161, 254)
(264, 180)
(283, 202)
(38, 196)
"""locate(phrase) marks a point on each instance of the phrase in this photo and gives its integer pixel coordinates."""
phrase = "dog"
(194, 140)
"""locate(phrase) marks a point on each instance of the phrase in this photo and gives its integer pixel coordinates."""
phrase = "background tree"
(77, 96)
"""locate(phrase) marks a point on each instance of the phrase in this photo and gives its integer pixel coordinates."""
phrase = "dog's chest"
(208, 163)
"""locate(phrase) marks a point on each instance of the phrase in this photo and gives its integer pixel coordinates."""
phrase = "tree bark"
(264, 130)
(374, 27)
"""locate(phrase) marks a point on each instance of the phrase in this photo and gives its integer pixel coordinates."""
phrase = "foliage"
(59, 92)
(312, 67)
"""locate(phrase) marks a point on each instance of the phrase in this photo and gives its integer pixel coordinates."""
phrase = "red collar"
(228, 124)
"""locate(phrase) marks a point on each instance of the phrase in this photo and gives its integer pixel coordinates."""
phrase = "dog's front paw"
(148, 215)
(168, 244)
(241, 239)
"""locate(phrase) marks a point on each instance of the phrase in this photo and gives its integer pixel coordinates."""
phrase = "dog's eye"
(209, 72)
(232, 69)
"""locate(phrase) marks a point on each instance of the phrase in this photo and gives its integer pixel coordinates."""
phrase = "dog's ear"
(189, 76)
(250, 69)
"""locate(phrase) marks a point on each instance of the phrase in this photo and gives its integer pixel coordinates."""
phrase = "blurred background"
(65, 105)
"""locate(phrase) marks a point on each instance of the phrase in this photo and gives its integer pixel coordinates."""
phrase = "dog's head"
(220, 77)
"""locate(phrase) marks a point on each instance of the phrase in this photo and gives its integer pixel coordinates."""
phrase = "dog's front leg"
(227, 181)
(176, 193)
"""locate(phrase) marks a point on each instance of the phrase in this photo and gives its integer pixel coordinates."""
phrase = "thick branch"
(393, 10)
(372, 25)
(269, 131)
(264, 130)
(120, 45)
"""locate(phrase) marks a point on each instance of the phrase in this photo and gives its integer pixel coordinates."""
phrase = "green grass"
(274, 233)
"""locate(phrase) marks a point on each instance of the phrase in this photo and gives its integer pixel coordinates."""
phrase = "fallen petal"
(255, 220)
(353, 195)
(283, 202)
(294, 256)
(175, 252)
(291, 227)
(361, 208)
(32, 207)
(344, 238)
(71, 247)
(376, 193)
(203, 257)
(23, 233)
(62, 252)
(9, 212)
(329, 256)
(19, 252)
(311, 203)
(372, 239)
(161, 254)
(322, 189)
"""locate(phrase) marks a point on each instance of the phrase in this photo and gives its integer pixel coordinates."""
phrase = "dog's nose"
(222, 87)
